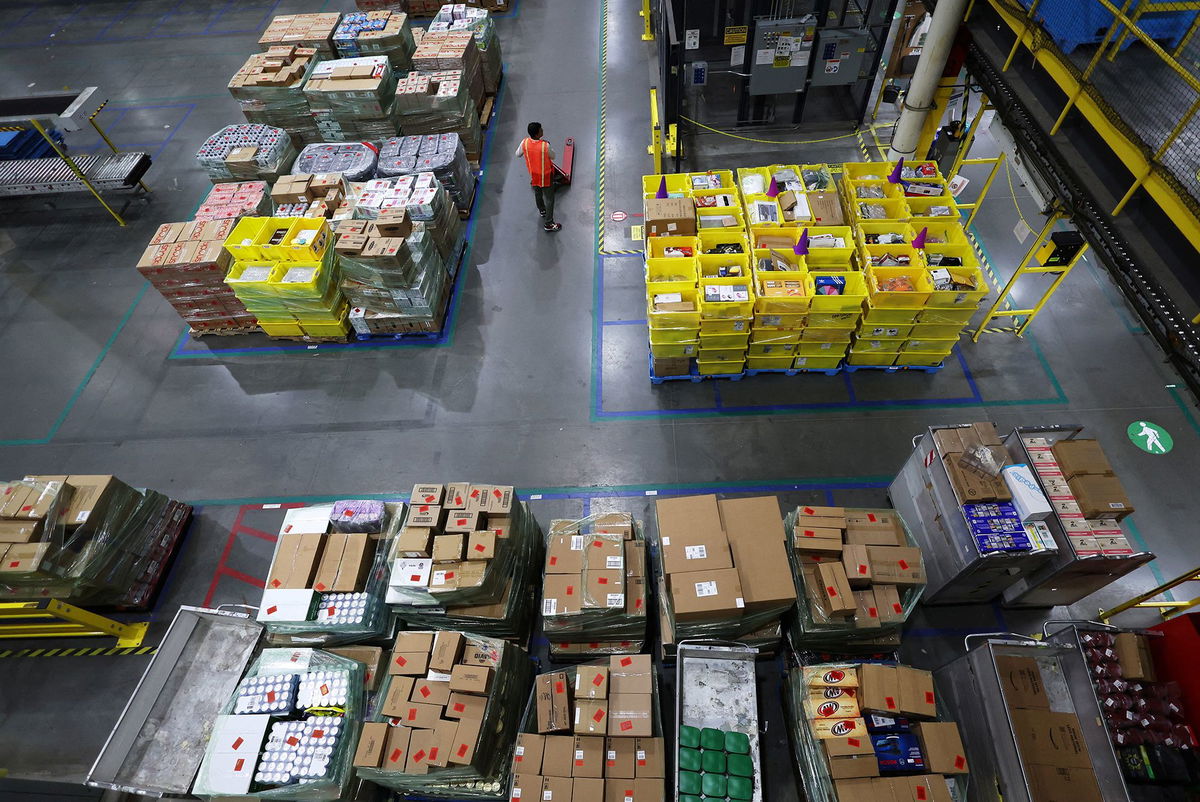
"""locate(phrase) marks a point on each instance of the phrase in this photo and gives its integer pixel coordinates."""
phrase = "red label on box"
(270, 610)
(862, 568)
(854, 742)
(598, 716)
(449, 575)
(423, 508)
(419, 756)
(237, 744)
(570, 590)
(480, 547)
(331, 609)
(890, 702)
(554, 561)
(809, 510)
(460, 521)
(831, 590)
(626, 725)
(275, 583)
(412, 714)
(475, 493)
(396, 755)
(559, 688)
(871, 517)
(626, 662)
(425, 691)
(903, 564)
(959, 761)
(292, 741)
(597, 543)
(319, 586)
(16, 563)
(597, 680)
(414, 578)
(809, 533)
(637, 605)
(928, 697)
(433, 753)
(920, 792)
(401, 660)
(462, 749)
(896, 606)
(871, 611)
(602, 580)
(324, 690)
(460, 707)
(270, 696)
(241, 761)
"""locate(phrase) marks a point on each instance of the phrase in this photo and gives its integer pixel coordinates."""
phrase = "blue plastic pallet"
(793, 371)
(693, 374)
(894, 368)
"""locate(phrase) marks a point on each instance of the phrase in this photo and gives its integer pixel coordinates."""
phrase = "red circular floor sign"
(618, 216)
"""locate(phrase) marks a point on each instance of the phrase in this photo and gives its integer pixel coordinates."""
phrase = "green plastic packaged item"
(689, 737)
(712, 739)
(737, 743)
(689, 798)
(715, 785)
(740, 788)
(689, 782)
(689, 759)
(740, 766)
(713, 762)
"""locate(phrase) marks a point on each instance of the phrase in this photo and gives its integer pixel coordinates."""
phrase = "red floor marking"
(238, 575)
(212, 587)
(246, 530)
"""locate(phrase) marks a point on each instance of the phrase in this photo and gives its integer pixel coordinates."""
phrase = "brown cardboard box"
(1063, 784)
(618, 758)
(942, 747)
(649, 789)
(896, 565)
(629, 715)
(422, 493)
(92, 493)
(471, 679)
(683, 552)
(1133, 653)
(409, 664)
(481, 545)
(556, 789)
(14, 499)
(466, 739)
(916, 693)
(924, 788)
(866, 611)
(395, 701)
(420, 716)
(591, 717)
(630, 673)
(707, 595)
(357, 555)
(395, 753)
(1100, 496)
(447, 646)
(603, 552)
(19, 531)
(466, 522)
(553, 708)
(562, 594)
(448, 548)
(670, 217)
(426, 516)
(591, 682)
(887, 599)
(527, 788)
(838, 597)
(588, 757)
(527, 757)
(635, 558)
(558, 755)
(690, 514)
(1021, 680)
(971, 486)
(444, 733)
(826, 209)
(477, 497)
(861, 790)
(564, 554)
(430, 692)
(857, 565)
(614, 523)
(635, 595)
(413, 642)
(466, 706)
(1053, 739)
(456, 495)
(415, 542)
(650, 758)
(281, 563)
(817, 540)
(369, 656)
(821, 517)
(587, 789)
(879, 688)
(372, 739)
(500, 500)
(757, 539)
(847, 747)
(419, 744)
(1081, 457)
(603, 589)
(844, 768)
(331, 558)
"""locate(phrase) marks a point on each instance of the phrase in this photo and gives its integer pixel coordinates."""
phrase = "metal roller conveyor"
(51, 175)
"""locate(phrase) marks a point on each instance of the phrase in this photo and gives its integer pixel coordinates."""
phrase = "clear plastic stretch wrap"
(459, 17)
(441, 154)
(487, 775)
(438, 102)
(443, 49)
(379, 34)
(230, 201)
(314, 703)
(245, 152)
(275, 96)
(348, 107)
(354, 160)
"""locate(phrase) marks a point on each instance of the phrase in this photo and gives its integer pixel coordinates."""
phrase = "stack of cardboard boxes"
(29, 510)
(428, 8)
(187, 263)
(856, 566)
(594, 586)
(452, 50)
(441, 154)
(302, 30)
(246, 152)
(612, 754)
(725, 571)
(875, 732)
(1084, 492)
(308, 195)
(439, 101)
(463, 17)
(351, 99)
(269, 89)
(231, 201)
(376, 33)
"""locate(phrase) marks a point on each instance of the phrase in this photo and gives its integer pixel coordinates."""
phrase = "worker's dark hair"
(535, 130)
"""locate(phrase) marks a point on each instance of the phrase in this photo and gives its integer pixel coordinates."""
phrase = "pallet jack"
(562, 175)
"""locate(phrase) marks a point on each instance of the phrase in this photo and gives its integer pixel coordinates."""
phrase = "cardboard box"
(629, 715)
(684, 552)
(527, 757)
(1063, 784)
(843, 768)
(1100, 496)
(821, 517)
(413, 642)
(1021, 680)
(276, 605)
(562, 594)
(1027, 496)
(426, 516)
(448, 548)
(466, 740)
(395, 752)
(371, 742)
(1081, 458)
(591, 717)
(92, 493)
(471, 679)
(707, 595)
(456, 495)
(1133, 653)
(587, 759)
(942, 747)
(826, 208)
(879, 688)
(331, 559)
(896, 565)
(649, 758)
(619, 758)
(851, 746)
(558, 755)
(603, 589)
(603, 552)
(630, 673)
(839, 728)
(923, 788)
(500, 500)
(866, 610)
(635, 595)
(430, 692)
(670, 217)
(553, 704)
(466, 706)
(527, 788)
(556, 789)
(857, 565)
(421, 716)
(874, 528)
(415, 542)
(443, 742)
(916, 692)
(370, 656)
(591, 682)
(419, 744)
(758, 542)
(587, 789)
(614, 523)
(409, 664)
(635, 558)
(699, 515)
(395, 701)
(838, 597)
(481, 545)
(887, 600)
(447, 647)
(465, 522)
(1053, 739)
(817, 540)
(862, 790)
(564, 554)
(358, 552)
(832, 703)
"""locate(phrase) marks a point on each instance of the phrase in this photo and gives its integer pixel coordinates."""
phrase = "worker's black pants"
(545, 201)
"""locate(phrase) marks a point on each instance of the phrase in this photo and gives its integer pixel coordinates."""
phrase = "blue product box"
(898, 752)
(879, 723)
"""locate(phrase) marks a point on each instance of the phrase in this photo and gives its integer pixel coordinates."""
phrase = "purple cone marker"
(919, 240)
(662, 189)
(773, 190)
(801, 247)
(895, 176)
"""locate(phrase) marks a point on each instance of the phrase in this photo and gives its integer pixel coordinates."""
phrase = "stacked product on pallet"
(376, 33)
(859, 576)
(463, 17)
(89, 539)
(865, 731)
(353, 161)
(351, 99)
(301, 30)
(328, 573)
(269, 89)
(439, 102)
(593, 733)
(286, 273)
(466, 558)
(231, 201)
(309, 195)
(441, 154)
(442, 722)
(429, 8)
(594, 586)
(425, 201)
(724, 570)
(187, 263)
(247, 152)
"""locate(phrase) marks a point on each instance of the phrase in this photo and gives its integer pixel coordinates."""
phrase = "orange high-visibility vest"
(537, 160)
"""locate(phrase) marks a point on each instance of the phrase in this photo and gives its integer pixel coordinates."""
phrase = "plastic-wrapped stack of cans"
(439, 103)
(441, 154)
(246, 151)
(230, 201)
(323, 689)
(354, 160)
(462, 17)
(376, 33)
(273, 693)
(344, 608)
(299, 750)
(351, 99)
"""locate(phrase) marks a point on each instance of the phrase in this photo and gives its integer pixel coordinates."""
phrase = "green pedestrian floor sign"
(1150, 437)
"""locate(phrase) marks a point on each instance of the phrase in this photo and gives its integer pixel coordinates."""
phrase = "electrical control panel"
(779, 60)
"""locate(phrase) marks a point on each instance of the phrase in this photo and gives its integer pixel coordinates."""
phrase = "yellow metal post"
(647, 28)
(57, 619)
(75, 169)
(1020, 36)
(1169, 609)
(1187, 37)
(656, 148)
(964, 150)
(987, 185)
(933, 120)
(1087, 73)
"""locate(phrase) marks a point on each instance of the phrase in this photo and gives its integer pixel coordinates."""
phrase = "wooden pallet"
(485, 116)
(305, 338)
(229, 332)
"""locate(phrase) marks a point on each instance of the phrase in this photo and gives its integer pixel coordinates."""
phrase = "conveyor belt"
(52, 176)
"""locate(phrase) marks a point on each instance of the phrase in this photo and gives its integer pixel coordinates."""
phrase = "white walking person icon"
(1153, 443)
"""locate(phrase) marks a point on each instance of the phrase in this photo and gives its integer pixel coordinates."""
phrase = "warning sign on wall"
(736, 34)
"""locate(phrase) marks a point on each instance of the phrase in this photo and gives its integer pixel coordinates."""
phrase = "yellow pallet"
(833, 257)
(878, 227)
(280, 329)
(919, 210)
(858, 187)
(737, 221)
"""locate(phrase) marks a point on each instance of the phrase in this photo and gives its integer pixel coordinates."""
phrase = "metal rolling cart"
(64, 173)
(977, 697)
(715, 687)
(957, 572)
(1066, 577)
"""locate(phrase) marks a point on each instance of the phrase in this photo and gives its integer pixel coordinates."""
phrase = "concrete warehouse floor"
(541, 381)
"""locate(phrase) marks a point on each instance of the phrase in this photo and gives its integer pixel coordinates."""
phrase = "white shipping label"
(616, 600)
(547, 795)
(666, 541)
(706, 589)
(614, 562)
(641, 754)
(612, 754)
(695, 552)
(520, 751)
(740, 602)
(549, 606)
(578, 752)
(81, 517)
(516, 794)
(576, 542)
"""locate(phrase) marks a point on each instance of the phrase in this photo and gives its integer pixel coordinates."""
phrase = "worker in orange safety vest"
(539, 160)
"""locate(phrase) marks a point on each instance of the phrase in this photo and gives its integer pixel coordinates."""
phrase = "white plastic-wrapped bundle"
(441, 154)
(245, 152)
(461, 17)
(354, 160)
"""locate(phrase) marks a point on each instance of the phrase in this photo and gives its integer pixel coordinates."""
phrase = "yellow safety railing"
(1168, 609)
(51, 618)
(661, 142)
(647, 23)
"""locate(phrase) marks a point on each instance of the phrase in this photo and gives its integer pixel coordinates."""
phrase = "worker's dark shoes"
(552, 226)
